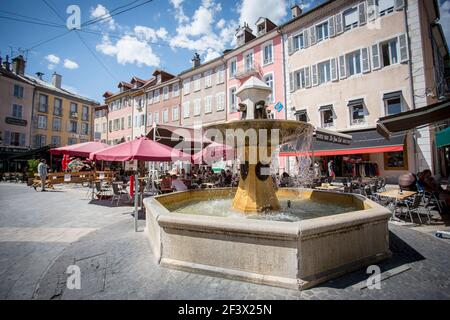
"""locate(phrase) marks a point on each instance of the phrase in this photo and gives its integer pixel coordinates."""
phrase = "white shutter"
(334, 73)
(307, 77)
(312, 35)
(290, 45)
(306, 38)
(362, 13)
(291, 82)
(372, 10)
(339, 23)
(342, 69)
(376, 62)
(365, 60)
(315, 80)
(403, 41)
(399, 4)
(331, 27)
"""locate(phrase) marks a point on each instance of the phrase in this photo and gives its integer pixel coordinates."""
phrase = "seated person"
(430, 185)
(177, 184)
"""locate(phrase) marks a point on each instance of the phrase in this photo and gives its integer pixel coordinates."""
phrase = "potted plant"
(32, 170)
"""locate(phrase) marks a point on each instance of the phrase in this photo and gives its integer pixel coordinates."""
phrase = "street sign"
(278, 107)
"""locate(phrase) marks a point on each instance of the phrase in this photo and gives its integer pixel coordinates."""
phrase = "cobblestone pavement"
(117, 263)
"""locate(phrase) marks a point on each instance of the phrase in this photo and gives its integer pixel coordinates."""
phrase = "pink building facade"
(120, 114)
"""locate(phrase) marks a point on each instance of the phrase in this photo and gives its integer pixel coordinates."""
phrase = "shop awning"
(392, 95)
(300, 112)
(356, 102)
(414, 118)
(443, 138)
(366, 141)
(326, 108)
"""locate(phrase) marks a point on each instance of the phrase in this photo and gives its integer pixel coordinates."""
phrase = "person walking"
(331, 173)
(42, 171)
(317, 170)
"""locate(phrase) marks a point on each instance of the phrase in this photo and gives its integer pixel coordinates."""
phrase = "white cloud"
(179, 12)
(445, 19)
(103, 13)
(149, 34)
(69, 64)
(251, 10)
(51, 66)
(53, 59)
(129, 49)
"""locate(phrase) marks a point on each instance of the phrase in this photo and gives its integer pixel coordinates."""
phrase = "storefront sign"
(322, 136)
(16, 122)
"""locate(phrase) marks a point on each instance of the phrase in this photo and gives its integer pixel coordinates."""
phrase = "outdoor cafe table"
(397, 196)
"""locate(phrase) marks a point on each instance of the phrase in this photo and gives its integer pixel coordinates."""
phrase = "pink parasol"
(81, 149)
(140, 149)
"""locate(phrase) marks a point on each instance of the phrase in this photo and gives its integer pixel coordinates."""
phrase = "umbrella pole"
(136, 199)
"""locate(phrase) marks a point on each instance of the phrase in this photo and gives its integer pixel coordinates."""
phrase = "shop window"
(396, 160)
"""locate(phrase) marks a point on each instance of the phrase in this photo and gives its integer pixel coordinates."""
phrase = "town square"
(225, 150)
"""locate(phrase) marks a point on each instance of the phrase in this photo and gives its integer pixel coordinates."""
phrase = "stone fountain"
(286, 237)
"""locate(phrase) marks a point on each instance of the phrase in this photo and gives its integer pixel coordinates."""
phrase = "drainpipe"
(280, 32)
(32, 115)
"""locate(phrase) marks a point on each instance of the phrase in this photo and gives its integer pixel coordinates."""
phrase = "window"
(197, 107)
(149, 119)
(136, 121)
(324, 72)
(299, 42)
(248, 58)
(322, 31)
(186, 86)
(268, 79)
(17, 111)
(389, 52)
(40, 141)
(73, 110)
(186, 109)
(396, 160)
(233, 68)
(175, 113)
(56, 141)
(233, 100)
(197, 83)
(393, 106)
(156, 115)
(84, 128)
(220, 101)
(129, 122)
(71, 141)
(208, 104)
(156, 95)
(166, 93)
(42, 122)
(111, 125)
(56, 124)
(73, 126)
(268, 53)
(353, 63)
(385, 6)
(85, 113)
(357, 115)
(351, 18)
(14, 139)
(104, 127)
(122, 123)
(165, 115)
(208, 79)
(18, 91)
(300, 79)
(150, 97)
(327, 117)
(142, 120)
(43, 103)
(57, 107)
(301, 115)
(175, 90)
(220, 75)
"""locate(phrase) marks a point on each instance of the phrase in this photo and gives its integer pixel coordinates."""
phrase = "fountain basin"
(295, 255)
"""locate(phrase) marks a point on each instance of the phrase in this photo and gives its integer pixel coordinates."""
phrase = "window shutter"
(342, 69)
(307, 77)
(365, 60)
(376, 63)
(315, 80)
(334, 73)
(291, 82)
(339, 23)
(403, 48)
(331, 27)
(7, 138)
(290, 45)
(399, 4)
(372, 10)
(362, 13)
(306, 38)
(312, 35)
(298, 81)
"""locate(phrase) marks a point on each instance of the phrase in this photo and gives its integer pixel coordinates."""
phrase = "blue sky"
(159, 34)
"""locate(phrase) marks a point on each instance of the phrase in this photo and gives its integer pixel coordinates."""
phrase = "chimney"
(56, 80)
(295, 11)
(196, 60)
(6, 63)
(40, 75)
(19, 65)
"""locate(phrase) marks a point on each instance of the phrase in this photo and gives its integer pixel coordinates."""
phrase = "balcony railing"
(358, 122)
(248, 71)
(328, 125)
